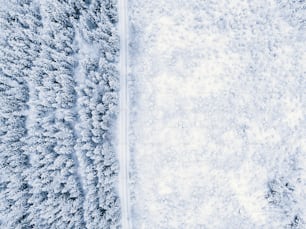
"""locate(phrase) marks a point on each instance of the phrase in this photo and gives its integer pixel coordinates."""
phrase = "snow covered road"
(123, 117)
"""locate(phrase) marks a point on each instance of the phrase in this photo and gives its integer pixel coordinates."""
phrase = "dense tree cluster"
(19, 47)
(58, 89)
(97, 87)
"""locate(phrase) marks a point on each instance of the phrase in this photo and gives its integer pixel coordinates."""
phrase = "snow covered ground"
(218, 108)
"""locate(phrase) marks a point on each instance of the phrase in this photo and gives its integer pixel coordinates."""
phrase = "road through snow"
(123, 117)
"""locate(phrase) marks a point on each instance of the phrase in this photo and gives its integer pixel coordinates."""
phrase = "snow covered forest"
(152, 114)
(59, 95)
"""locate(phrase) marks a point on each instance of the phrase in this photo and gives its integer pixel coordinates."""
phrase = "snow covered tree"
(56, 193)
(97, 88)
(19, 23)
(58, 103)
(285, 194)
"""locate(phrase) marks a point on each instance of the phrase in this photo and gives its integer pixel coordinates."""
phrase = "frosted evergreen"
(59, 83)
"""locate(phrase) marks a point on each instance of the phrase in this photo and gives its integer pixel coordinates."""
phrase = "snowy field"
(218, 104)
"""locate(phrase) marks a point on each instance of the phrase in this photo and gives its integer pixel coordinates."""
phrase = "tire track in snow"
(123, 117)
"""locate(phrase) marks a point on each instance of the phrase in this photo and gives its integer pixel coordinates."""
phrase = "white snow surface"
(218, 97)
